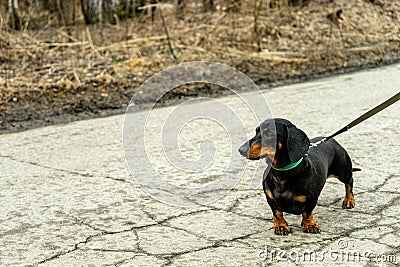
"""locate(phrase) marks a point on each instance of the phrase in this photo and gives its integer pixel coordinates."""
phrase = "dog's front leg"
(308, 223)
(281, 226)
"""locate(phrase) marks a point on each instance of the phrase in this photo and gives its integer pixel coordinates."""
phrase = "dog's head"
(277, 140)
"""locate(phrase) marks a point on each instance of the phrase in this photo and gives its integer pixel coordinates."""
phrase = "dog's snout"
(244, 150)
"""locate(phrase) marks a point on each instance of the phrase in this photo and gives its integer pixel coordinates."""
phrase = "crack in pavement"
(386, 180)
(76, 247)
(216, 244)
(238, 200)
(165, 256)
(112, 250)
(45, 167)
(188, 232)
(118, 263)
(373, 223)
(80, 221)
(64, 170)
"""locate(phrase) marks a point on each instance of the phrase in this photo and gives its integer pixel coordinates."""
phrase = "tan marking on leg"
(348, 202)
(300, 198)
(332, 176)
(309, 225)
(280, 224)
(269, 193)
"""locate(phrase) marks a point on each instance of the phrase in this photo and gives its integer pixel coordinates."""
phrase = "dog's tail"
(355, 169)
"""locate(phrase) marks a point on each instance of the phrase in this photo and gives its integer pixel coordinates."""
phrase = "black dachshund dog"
(298, 172)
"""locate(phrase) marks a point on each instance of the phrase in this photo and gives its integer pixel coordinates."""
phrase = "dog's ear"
(297, 143)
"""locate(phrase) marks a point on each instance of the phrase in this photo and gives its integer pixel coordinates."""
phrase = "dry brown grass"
(94, 66)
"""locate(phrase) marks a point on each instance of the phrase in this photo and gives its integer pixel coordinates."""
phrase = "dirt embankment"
(56, 75)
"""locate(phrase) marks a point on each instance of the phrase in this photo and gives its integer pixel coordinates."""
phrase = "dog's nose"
(244, 149)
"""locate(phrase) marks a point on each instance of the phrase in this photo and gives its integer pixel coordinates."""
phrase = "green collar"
(289, 166)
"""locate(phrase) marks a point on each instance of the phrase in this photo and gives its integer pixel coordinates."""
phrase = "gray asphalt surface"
(68, 199)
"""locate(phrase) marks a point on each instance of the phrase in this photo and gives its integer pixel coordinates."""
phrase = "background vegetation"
(62, 60)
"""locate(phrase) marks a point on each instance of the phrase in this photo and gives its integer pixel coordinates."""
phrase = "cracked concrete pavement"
(68, 199)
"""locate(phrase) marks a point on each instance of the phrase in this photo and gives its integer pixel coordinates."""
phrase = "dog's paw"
(310, 227)
(282, 229)
(349, 202)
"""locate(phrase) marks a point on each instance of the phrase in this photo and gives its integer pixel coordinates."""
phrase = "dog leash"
(360, 119)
